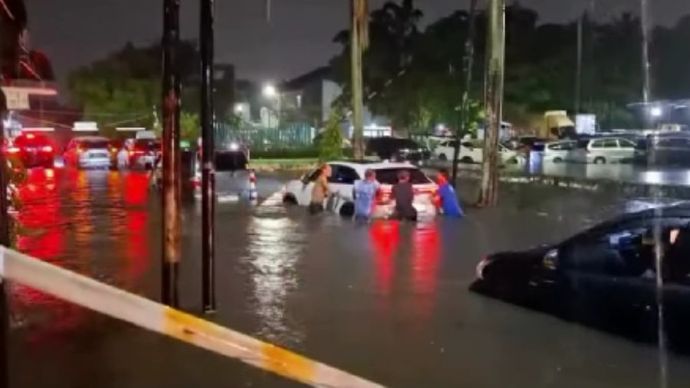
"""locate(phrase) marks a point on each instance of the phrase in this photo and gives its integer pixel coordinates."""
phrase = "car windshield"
(31, 141)
(95, 144)
(389, 176)
(147, 145)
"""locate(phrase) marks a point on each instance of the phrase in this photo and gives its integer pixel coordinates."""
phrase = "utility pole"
(646, 66)
(208, 154)
(4, 242)
(358, 42)
(171, 154)
(578, 71)
(494, 102)
(465, 100)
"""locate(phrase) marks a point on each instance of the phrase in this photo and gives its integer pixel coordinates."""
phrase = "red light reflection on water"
(385, 238)
(136, 241)
(426, 259)
(425, 269)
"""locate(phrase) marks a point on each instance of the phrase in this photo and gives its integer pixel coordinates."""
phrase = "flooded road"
(387, 301)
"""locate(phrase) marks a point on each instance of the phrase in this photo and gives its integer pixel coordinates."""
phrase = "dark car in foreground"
(630, 276)
(397, 149)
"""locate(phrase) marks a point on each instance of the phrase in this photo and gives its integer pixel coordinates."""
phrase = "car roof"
(91, 138)
(373, 165)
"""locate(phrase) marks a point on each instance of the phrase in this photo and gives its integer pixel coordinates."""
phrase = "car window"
(95, 144)
(389, 176)
(31, 141)
(343, 175)
(556, 147)
(609, 143)
(625, 248)
(597, 144)
(625, 143)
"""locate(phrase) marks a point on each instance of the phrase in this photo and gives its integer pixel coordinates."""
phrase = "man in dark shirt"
(403, 195)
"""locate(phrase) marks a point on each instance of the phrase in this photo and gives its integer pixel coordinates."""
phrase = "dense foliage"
(414, 77)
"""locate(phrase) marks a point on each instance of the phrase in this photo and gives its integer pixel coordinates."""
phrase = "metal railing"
(155, 317)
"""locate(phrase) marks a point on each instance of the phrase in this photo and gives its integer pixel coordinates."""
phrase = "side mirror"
(550, 260)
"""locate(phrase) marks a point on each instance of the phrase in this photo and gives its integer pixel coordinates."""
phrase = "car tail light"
(47, 149)
(12, 150)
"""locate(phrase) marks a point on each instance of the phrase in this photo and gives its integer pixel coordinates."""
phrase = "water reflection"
(275, 245)
(385, 239)
(91, 222)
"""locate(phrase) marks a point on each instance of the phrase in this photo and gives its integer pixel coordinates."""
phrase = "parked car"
(604, 150)
(341, 184)
(397, 149)
(606, 276)
(473, 152)
(664, 149)
(559, 151)
(88, 152)
(32, 150)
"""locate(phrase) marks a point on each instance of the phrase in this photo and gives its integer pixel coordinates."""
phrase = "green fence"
(293, 136)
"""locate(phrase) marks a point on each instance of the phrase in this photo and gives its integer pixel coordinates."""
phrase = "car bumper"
(95, 163)
(424, 210)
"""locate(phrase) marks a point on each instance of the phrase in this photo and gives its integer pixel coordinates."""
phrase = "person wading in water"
(320, 191)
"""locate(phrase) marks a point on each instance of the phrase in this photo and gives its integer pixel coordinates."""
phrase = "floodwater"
(387, 301)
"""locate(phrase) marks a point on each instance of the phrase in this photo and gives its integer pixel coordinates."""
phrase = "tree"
(190, 127)
(331, 143)
(123, 89)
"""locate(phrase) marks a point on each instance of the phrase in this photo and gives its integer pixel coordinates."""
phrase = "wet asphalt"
(387, 301)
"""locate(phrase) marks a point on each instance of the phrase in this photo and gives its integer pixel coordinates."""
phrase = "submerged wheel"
(289, 199)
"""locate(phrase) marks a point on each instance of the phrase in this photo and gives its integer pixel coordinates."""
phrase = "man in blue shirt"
(449, 200)
(364, 194)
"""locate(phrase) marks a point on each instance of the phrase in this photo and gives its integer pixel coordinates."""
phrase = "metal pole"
(464, 102)
(4, 241)
(644, 22)
(578, 71)
(171, 153)
(494, 102)
(358, 9)
(208, 177)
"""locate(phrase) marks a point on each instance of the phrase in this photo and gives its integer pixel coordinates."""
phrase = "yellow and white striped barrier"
(156, 317)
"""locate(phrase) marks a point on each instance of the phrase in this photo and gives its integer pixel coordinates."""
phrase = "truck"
(557, 125)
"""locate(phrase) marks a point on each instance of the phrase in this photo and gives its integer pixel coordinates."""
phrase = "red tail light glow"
(12, 150)
(47, 149)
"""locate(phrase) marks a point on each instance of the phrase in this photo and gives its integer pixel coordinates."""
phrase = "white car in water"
(559, 151)
(473, 152)
(604, 150)
(341, 185)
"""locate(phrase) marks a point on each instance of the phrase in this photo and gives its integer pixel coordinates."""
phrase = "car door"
(626, 150)
(606, 280)
(301, 189)
(341, 183)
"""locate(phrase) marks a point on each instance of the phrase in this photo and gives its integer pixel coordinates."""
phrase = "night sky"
(75, 32)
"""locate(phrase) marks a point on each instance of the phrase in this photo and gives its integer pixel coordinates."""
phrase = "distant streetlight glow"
(270, 91)
(656, 111)
(239, 108)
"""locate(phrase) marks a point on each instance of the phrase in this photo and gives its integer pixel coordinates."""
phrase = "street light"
(270, 91)
(239, 108)
(656, 111)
